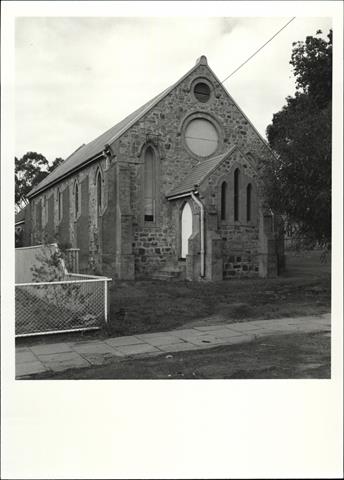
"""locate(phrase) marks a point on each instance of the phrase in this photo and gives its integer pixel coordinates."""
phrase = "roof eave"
(164, 93)
(92, 159)
(243, 113)
(186, 193)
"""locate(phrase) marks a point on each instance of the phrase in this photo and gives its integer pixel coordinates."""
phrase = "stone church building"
(174, 189)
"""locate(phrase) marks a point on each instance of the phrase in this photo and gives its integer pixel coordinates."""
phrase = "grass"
(151, 306)
(278, 357)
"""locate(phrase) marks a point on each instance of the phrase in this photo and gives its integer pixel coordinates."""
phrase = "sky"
(75, 77)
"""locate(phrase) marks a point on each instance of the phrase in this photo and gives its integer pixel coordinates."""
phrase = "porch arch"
(186, 228)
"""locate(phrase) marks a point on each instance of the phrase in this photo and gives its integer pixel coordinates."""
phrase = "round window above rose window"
(201, 137)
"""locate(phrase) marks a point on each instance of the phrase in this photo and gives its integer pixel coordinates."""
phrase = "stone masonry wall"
(240, 239)
(100, 238)
(163, 128)
(152, 249)
(240, 251)
(81, 232)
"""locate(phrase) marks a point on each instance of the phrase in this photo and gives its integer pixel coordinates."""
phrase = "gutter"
(201, 207)
(179, 195)
(67, 174)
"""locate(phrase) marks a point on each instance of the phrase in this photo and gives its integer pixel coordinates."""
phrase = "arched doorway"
(186, 229)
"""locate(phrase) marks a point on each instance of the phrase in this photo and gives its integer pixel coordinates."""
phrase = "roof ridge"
(219, 83)
(191, 179)
(152, 103)
(127, 122)
(220, 157)
(209, 159)
(60, 165)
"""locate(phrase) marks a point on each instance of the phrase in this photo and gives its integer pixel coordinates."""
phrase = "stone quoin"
(176, 187)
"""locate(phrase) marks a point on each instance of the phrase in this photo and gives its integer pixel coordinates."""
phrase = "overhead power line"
(244, 63)
(259, 49)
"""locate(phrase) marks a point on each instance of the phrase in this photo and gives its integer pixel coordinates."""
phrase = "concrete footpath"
(57, 357)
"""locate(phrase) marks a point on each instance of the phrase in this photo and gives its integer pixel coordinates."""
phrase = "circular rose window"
(201, 137)
(202, 92)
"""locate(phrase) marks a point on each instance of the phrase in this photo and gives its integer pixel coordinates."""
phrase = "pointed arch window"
(59, 205)
(44, 211)
(149, 185)
(224, 189)
(99, 189)
(236, 194)
(248, 202)
(76, 199)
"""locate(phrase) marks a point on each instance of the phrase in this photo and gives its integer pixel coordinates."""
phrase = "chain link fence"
(78, 302)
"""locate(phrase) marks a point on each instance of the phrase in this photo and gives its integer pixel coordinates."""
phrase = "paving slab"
(178, 347)
(258, 323)
(137, 349)
(25, 357)
(159, 340)
(212, 328)
(63, 361)
(93, 348)
(62, 356)
(185, 331)
(226, 332)
(49, 348)
(122, 341)
(204, 340)
(277, 330)
(187, 334)
(100, 358)
(244, 327)
(30, 368)
(214, 340)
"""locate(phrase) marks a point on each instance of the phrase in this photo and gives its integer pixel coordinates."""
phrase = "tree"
(30, 170)
(312, 62)
(299, 178)
(55, 163)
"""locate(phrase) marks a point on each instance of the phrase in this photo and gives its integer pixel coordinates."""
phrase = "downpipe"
(201, 206)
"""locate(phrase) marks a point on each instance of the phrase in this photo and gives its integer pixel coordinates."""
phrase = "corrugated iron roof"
(199, 173)
(94, 148)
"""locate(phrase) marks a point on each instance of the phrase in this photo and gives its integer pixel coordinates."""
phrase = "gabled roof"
(93, 149)
(199, 173)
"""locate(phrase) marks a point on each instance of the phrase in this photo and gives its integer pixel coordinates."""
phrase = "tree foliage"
(30, 170)
(312, 62)
(55, 163)
(299, 178)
